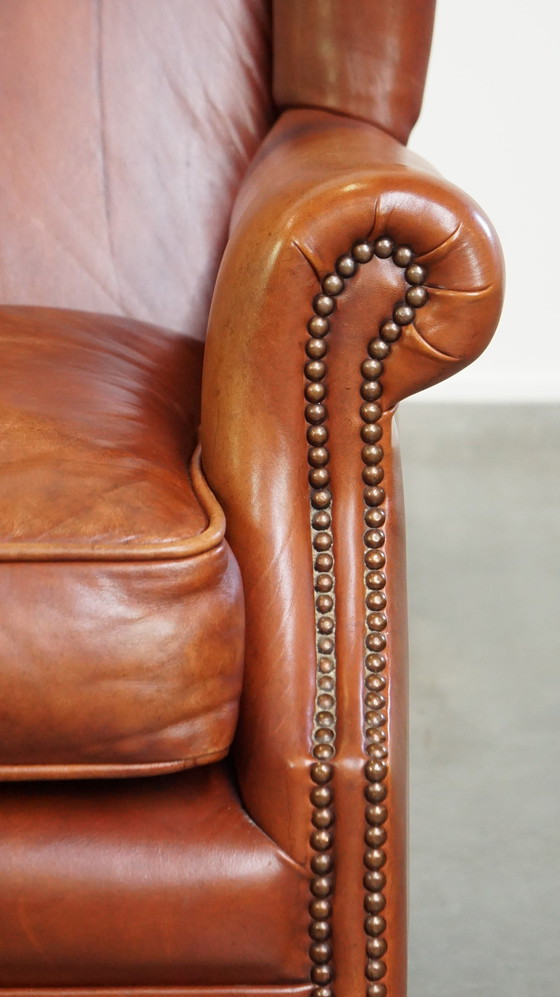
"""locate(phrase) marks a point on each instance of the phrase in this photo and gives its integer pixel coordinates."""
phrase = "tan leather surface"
(145, 883)
(319, 184)
(364, 58)
(130, 125)
(121, 636)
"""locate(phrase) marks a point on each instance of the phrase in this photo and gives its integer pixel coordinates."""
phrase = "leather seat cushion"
(122, 625)
(145, 882)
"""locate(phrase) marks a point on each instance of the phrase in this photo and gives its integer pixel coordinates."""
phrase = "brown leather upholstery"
(354, 276)
(130, 124)
(121, 639)
(362, 58)
(147, 882)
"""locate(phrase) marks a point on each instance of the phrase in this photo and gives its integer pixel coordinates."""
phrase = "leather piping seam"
(210, 538)
(375, 683)
(30, 773)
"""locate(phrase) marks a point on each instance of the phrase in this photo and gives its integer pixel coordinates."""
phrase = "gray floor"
(483, 509)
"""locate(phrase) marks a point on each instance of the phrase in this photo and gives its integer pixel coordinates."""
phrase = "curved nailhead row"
(375, 716)
(324, 732)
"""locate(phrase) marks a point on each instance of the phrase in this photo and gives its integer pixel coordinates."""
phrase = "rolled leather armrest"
(354, 276)
(417, 260)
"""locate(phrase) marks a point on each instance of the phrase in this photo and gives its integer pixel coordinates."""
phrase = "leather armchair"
(203, 674)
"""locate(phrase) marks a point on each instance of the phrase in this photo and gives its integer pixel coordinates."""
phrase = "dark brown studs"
(314, 392)
(319, 477)
(315, 414)
(374, 559)
(417, 296)
(375, 836)
(362, 252)
(375, 925)
(377, 621)
(372, 475)
(376, 684)
(375, 580)
(384, 247)
(375, 858)
(318, 325)
(376, 947)
(372, 454)
(321, 774)
(374, 538)
(318, 456)
(320, 500)
(375, 662)
(322, 541)
(403, 314)
(320, 909)
(375, 771)
(375, 793)
(321, 520)
(370, 390)
(390, 331)
(378, 349)
(371, 433)
(370, 412)
(376, 814)
(415, 274)
(332, 284)
(374, 903)
(371, 369)
(322, 817)
(346, 266)
(322, 863)
(374, 496)
(323, 304)
(320, 952)
(320, 930)
(321, 974)
(374, 517)
(317, 435)
(315, 370)
(324, 604)
(321, 796)
(376, 990)
(316, 348)
(403, 255)
(375, 969)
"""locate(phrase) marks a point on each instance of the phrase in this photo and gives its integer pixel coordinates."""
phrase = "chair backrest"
(126, 127)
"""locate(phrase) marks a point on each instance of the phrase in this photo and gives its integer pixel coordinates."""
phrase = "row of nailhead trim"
(375, 716)
(324, 732)
(375, 684)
